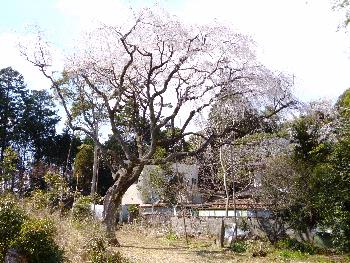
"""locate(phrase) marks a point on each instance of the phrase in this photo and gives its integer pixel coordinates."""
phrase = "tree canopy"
(139, 78)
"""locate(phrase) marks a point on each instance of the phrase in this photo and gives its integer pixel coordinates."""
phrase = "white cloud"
(296, 36)
(90, 12)
(10, 57)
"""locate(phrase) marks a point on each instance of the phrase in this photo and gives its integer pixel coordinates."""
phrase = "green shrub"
(134, 209)
(58, 194)
(295, 245)
(244, 225)
(98, 253)
(171, 235)
(296, 255)
(39, 199)
(81, 208)
(239, 246)
(11, 220)
(116, 257)
(36, 242)
(96, 249)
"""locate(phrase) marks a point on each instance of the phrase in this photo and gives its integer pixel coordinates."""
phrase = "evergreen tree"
(12, 94)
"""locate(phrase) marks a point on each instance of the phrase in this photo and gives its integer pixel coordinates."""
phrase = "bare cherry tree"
(144, 76)
(237, 154)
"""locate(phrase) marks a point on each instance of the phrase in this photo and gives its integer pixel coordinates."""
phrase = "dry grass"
(71, 236)
(146, 247)
(142, 247)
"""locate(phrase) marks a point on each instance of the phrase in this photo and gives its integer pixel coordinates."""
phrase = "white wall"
(190, 172)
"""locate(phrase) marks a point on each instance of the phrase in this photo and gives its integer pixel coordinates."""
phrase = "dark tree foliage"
(57, 151)
(12, 96)
(308, 146)
(28, 125)
(335, 204)
(27, 118)
(310, 150)
(343, 104)
(313, 183)
(105, 179)
(83, 167)
(36, 175)
(38, 124)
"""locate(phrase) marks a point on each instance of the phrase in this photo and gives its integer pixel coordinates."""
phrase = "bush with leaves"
(334, 195)
(295, 245)
(97, 252)
(32, 238)
(9, 168)
(171, 235)
(39, 199)
(133, 211)
(11, 220)
(57, 187)
(81, 209)
(36, 242)
(239, 247)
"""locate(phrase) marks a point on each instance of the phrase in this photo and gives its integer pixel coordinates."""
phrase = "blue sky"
(15, 13)
(296, 36)
(18, 13)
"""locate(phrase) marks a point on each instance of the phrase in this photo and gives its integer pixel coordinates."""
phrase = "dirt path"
(147, 248)
(144, 246)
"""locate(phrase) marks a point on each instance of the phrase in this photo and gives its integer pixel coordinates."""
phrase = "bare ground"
(141, 246)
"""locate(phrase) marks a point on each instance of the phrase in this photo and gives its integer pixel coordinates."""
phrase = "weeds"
(171, 236)
(295, 245)
(31, 237)
(78, 233)
(294, 255)
(238, 247)
(97, 252)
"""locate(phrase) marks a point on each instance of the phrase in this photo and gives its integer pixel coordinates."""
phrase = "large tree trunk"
(113, 198)
(110, 206)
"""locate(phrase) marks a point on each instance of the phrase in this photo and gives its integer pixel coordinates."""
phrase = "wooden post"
(234, 193)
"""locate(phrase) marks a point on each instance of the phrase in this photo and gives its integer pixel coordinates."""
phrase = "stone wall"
(209, 226)
(157, 220)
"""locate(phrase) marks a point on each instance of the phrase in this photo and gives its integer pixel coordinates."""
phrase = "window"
(194, 181)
